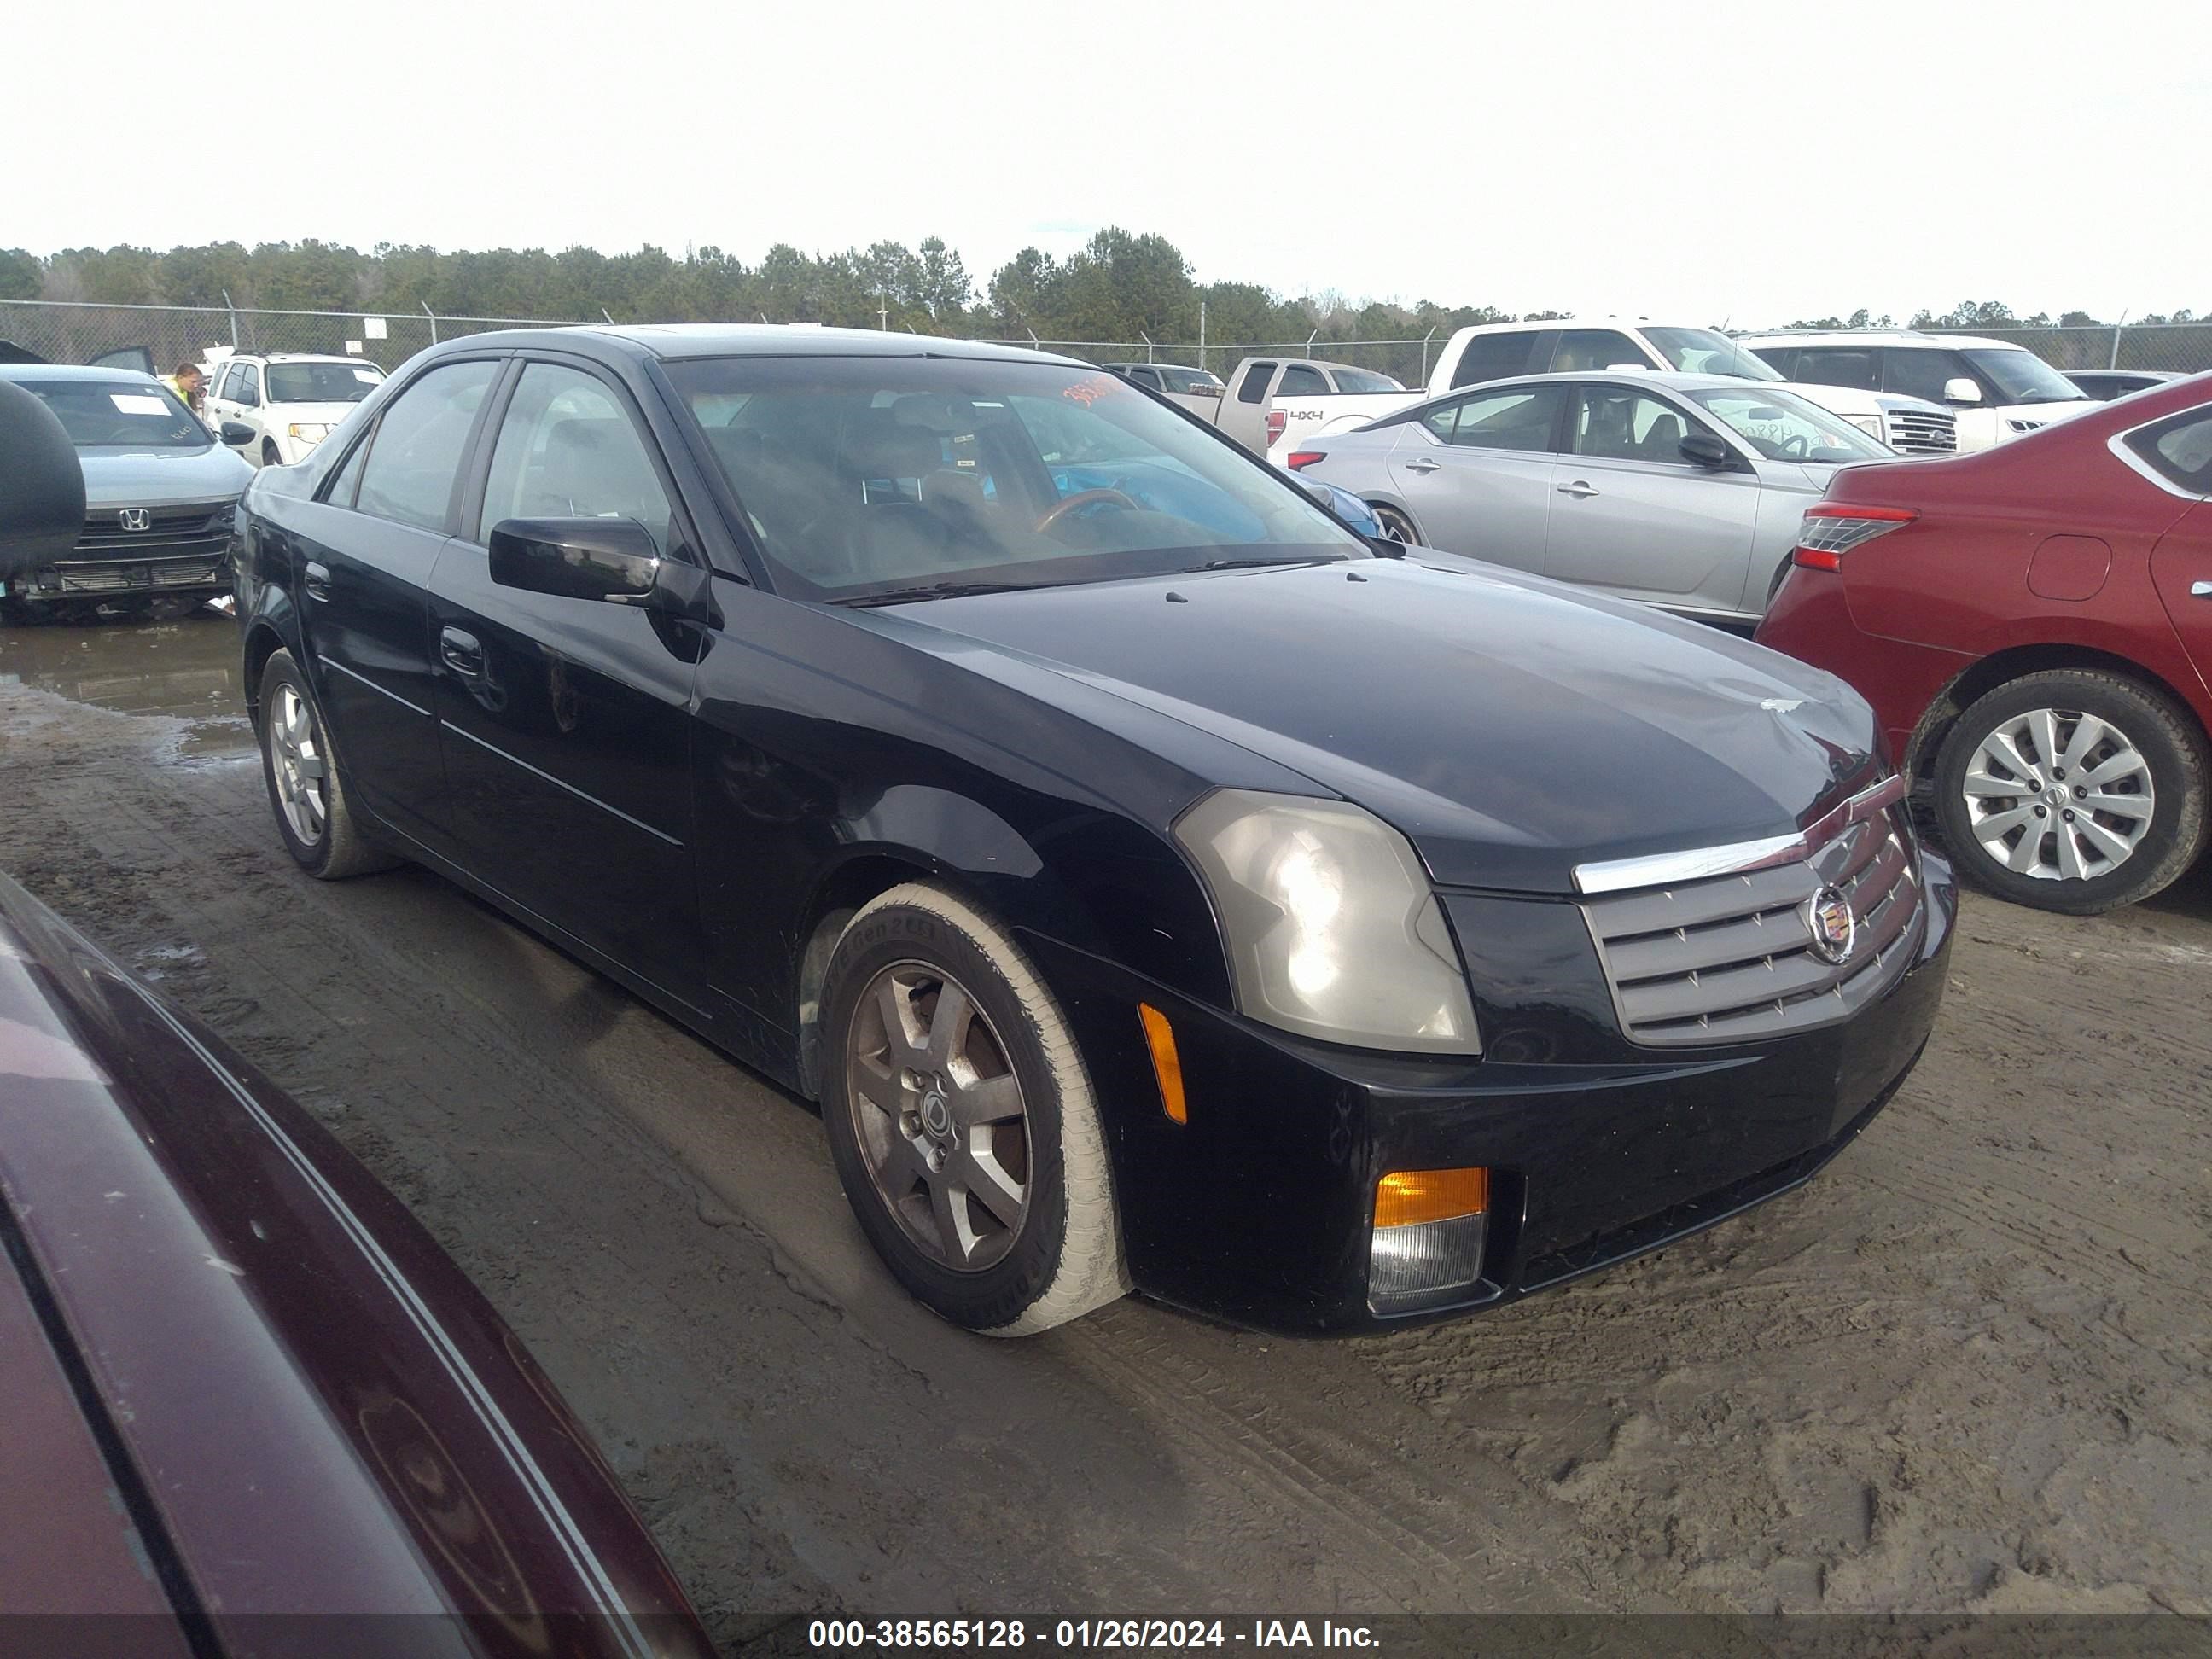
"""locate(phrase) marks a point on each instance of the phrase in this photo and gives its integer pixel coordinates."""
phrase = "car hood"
(152, 478)
(1511, 728)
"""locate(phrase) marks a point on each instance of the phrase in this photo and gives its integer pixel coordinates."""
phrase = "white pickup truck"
(1498, 351)
(1250, 408)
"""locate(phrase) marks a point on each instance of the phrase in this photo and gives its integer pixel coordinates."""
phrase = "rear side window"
(1253, 388)
(2178, 449)
(1852, 366)
(1523, 418)
(1583, 349)
(1782, 359)
(1492, 357)
(1299, 381)
(416, 455)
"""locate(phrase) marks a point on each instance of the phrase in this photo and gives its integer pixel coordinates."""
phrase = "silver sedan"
(1680, 490)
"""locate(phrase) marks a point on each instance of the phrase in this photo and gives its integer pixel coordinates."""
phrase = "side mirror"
(575, 558)
(237, 433)
(1960, 390)
(1706, 449)
(41, 485)
(1386, 549)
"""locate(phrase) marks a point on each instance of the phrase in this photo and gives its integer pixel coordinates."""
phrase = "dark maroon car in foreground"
(2032, 624)
(243, 1394)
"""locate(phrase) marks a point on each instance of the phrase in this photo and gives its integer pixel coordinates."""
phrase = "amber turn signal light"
(1167, 1065)
(1405, 1197)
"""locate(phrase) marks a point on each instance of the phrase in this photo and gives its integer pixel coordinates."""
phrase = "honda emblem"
(135, 518)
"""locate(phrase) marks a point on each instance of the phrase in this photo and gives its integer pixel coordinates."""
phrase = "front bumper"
(80, 582)
(1258, 1209)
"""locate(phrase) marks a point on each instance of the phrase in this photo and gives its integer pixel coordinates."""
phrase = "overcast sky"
(1708, 162)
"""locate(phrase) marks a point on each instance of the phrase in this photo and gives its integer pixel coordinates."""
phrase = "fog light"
(1426, 1251)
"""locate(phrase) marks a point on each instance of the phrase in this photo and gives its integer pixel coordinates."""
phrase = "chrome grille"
(173, 531)
(1921, 431)
(1732, 958)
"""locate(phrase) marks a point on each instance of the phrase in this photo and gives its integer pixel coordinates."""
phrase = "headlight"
(1332, 930)
(310, 431)
(1869, 425)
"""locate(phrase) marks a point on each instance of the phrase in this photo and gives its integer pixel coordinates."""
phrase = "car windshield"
(874, 477)
(2021, 377)
(322, 383)
(1702, 351)
(1364, 379)
(1784, 427)
(120, 414)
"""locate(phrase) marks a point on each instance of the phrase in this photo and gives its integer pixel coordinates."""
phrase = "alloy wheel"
(2058, 795)
(1397, 526)
(297, 763)
(940, 1116)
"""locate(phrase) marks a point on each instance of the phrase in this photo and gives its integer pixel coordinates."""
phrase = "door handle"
(1421, 465)
(1579, 489)
(2200, 590)
(462, 653)
(319, 581)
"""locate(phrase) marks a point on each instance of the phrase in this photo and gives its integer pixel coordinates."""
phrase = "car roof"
(1536, 324)
(1665, 379)
(1879, 337)
(350, 360)
(93, 372)
(671, 342)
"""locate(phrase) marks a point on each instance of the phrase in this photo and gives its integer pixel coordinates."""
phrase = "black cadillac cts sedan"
(1156, 886)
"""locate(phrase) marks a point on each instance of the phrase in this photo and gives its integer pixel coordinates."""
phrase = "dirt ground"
(1966, 1369)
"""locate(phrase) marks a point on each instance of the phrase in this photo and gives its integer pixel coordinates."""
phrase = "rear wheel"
(1397, 526)
(2072, 790)
(298, 764)
(961, 1119)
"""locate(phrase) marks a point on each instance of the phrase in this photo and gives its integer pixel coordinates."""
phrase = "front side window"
(1254, 387)
(1784, 427)
(415, 456)
(1299, 381)
(1924, 374)
(1615, 424)
(1522, 418)
(322, 383)
(1492, 357)
(568, 449)
(120, 414)
(1850, 366)
(2021, 377)
(249, 385)
(1581, 349)
(2178, 449)
(228, 381)
(1707, 351)
(866, 477)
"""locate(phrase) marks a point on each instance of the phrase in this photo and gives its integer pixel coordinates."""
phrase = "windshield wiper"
(1254, 563)
(937, 591)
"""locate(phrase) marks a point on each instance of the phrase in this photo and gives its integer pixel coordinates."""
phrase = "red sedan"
(2033, 625)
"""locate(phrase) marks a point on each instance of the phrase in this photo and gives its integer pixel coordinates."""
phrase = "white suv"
(1492, 351)
(1997, 390)
(290, 399)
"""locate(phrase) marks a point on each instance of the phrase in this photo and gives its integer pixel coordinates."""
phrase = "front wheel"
(269, 455)
(297, 763)
(1397, 526)
(961, 1119)
(2072, 791)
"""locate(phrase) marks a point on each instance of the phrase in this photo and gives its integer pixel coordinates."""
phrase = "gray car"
(1684, 491)
(159, 490)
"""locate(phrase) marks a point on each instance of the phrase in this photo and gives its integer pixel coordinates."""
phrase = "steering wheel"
(1060, 509)
(1796, 446)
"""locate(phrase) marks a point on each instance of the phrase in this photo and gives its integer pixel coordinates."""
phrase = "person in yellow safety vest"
(188, 383)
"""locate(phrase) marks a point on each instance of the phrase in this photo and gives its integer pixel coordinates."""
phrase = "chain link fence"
(63, 332)
(2178, 348)
(67, 331)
